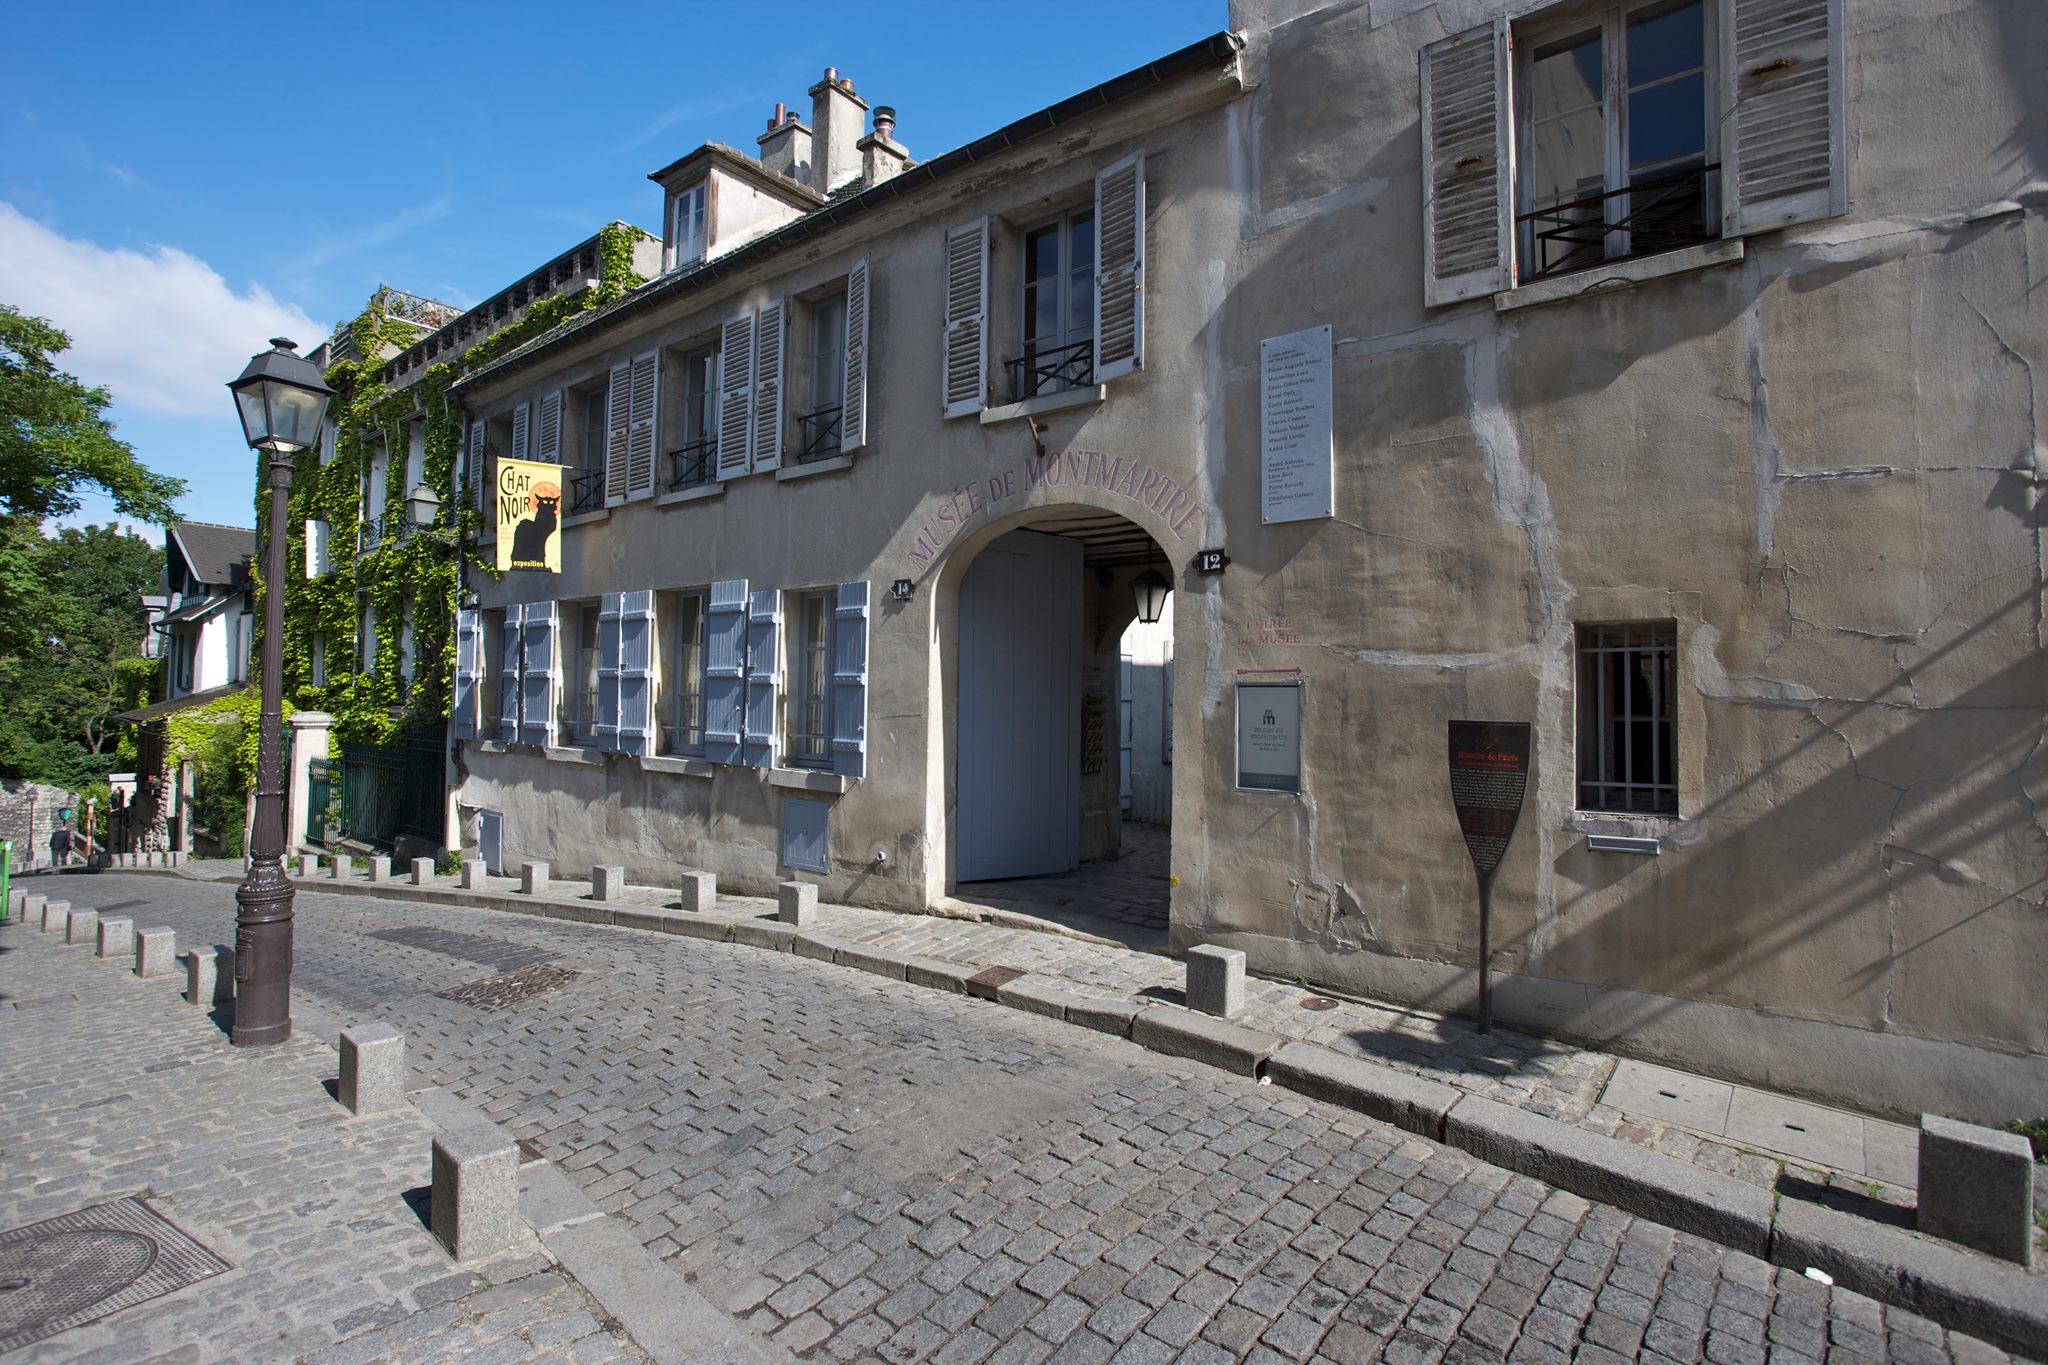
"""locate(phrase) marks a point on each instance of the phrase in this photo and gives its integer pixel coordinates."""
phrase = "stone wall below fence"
(28, 815)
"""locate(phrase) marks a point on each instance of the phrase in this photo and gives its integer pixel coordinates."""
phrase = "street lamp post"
(283, 404)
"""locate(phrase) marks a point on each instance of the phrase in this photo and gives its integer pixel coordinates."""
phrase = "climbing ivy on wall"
(406, 565)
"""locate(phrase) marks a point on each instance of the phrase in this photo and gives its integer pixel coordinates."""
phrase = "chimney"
(786, 146)
(839, 118)
(881, 156)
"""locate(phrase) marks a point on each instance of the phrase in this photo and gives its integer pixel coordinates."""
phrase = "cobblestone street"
(861, 1168)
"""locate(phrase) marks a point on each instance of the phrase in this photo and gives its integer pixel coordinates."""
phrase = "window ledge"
(804, 471)
(809, 780)
(1620, 275)
(574, 754)
(1045, 402)
(676, 763)
(711, 488)
(585, 518)
(486, 746)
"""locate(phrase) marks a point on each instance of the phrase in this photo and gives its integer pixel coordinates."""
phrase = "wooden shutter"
(1120, 269)
(636, 672)
(511, 648)
(735, 395)
(764, 678)
(725, 670)
(540, 674)
(477, 439)
(618, 397)
(850, 681)
(469, 667)
(646, 402)
(1783, 112)
(771, 329)
(853, 420)
(522, 432)
(547, 442)
(606, 730)
(964, 349)
(1468, 171)
(319, 549)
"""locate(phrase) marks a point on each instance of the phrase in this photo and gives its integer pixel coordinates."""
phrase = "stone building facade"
(1682, 404)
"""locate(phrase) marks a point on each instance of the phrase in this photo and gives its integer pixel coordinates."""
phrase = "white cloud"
(160, 327)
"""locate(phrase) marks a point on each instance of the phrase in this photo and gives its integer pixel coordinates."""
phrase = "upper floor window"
(1056, 309)
(589, 406)
(825, 404)
(686, 226)
(694, 460)
(804, 360)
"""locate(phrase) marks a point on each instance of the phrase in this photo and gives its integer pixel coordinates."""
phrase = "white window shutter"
(477, 447)
(539, 672)
(469, 631)
(511, 648)
(319, 549)
(636, 672)
(646, 402)
(522, 431)
(764, 678)
(853, 419)
(547, 442)
(725, 670)
(964, 349)
(735, 395)
(606, 730)
(1120, 269)
(618, 422)
(1468, 170)
(1782, 96)
(771, 329)
(850, 681)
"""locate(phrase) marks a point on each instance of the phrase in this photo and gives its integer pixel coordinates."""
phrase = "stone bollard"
(117, 936)
(156, 952)
(607, 883)
(56, 917)
(533, 878)
(15, 897)
(1215, 980)
(209, 976)
(309, 866)
(380, 869)
(1977, 1188)
(372, 1068)
(473, 874)
(83, 926)
(475, 1200)
(700, 891)
(342, 868)
(796, 903)
(422, 871)
(177, 859)
(32, 909)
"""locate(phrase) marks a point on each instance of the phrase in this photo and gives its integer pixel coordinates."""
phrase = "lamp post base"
(263, 957)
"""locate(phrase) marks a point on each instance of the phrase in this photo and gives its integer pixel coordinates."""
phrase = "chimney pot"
(831, 73)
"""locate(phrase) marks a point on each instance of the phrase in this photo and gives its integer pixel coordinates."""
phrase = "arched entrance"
(1038, 698)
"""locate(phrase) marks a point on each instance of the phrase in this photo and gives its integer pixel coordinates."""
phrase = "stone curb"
(1958, 1289)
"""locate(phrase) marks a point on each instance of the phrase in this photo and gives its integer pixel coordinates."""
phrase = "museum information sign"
(528, 503)
(1296, 456)
(1269, 736)
(1489, 777)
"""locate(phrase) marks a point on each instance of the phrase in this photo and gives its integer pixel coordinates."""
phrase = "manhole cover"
(512, 988)
(78, 1267)
(1318, 1002)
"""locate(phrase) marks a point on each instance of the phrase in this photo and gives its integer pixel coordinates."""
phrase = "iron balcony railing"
(1050, 369)
(373, 533)
(819, 434)
(695, 464)
(586, 492)
(1659, 213)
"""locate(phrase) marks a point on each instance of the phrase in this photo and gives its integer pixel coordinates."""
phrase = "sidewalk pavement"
(112, 1087)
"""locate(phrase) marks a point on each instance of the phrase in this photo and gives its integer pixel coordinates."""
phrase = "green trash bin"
(6, 872)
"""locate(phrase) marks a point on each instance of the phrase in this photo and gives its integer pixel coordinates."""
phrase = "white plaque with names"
(1297, 458)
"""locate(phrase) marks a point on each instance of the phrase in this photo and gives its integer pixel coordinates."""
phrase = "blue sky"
(171, 206)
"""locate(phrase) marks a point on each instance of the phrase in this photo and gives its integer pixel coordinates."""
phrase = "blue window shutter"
(607, 727)
(853, 420)
(469, 631)
(764, 677)
(725, 670)
(636, 672)
(511, 645)
(850, 681)
(539, 674)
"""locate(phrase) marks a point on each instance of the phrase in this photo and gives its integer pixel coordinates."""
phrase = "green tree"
(55, 438)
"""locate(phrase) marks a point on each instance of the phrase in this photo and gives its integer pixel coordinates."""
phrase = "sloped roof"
(214, 553)
(158, 710)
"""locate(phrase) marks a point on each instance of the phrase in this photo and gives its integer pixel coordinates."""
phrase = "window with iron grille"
(586, 468)
(579, 698)
(679, 627)
(810, 683)
(818, 427)
(1056, 307)
(694, 461)
(1628, 718)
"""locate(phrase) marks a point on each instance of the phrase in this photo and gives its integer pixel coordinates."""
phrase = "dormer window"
(686, 227)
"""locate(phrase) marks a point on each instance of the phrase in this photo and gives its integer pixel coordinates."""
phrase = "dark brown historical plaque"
(1489, 777)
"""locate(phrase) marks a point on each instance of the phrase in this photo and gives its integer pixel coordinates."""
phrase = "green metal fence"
(387, 793)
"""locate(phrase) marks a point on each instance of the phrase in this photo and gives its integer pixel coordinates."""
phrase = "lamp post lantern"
(282, 399)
